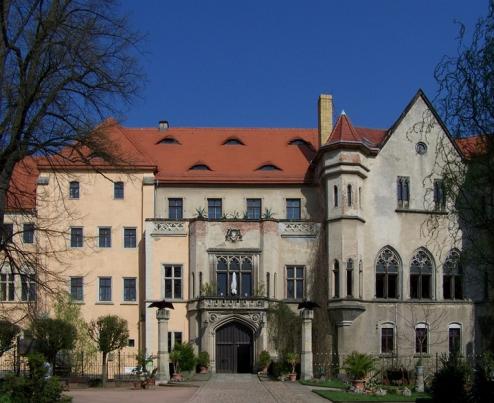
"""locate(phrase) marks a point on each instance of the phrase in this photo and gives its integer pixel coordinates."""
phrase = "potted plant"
(146, 377)
(175, 360)
(264, 361)
(292, 359)
(203, 362)
(358, 366)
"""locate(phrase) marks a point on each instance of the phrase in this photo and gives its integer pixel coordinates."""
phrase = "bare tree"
(64, 66)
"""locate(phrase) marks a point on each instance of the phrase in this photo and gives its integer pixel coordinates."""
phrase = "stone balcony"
(220, 303)
(169, 228)
(298, 229)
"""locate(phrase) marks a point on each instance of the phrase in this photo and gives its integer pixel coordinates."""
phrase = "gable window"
(387, 267)
(76, 237)
(299, 142)
(118, 190)
(403, 191)
(439, 195)
(387, 338)
(336, 278)
(453, 276)
(104, 237)
(175, 208)
(7, 232)
(74, 190)
(421, 275)
(173, 281)
(130, 239)
(293, 209)
(295, 282)
(234, 276)
(28, 233)
(349, 278)
(253, 209)
(105, 289)
(335, 195)
(76, 289)
(214, 209)
(129, 289)
(421, 339)
(349, 195)
(454, 338)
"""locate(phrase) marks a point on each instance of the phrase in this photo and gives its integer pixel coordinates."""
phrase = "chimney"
(325, 107)
(163, 125)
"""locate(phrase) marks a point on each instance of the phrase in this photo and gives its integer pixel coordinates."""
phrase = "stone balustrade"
(299, 229)
(169, 228)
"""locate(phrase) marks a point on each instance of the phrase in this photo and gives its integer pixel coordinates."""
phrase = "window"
(175, 208)
(168, 140)
(76, 237)
(454, 338)
(129, 288)
(387, 339)
(131, 343)
(253, 209)
(173, 281)
(268, 284)
(295, 282)
(360, 197)
(349, 195)
(387, 266)
(130, 240)
(193, 284)
(336, 278)
(28, 286)
(403, 189)
(335, 195)
(421, 148)
(118, 190)
(299, 142)
(7, 285)
(76, 289)
(105, 289)
(293, 209)
(200, 167)
(349, 278)
(268, 167)
(74, 190)
(421, 339)
(104, 237)
(214, 209)
(7, 232)
(234, 276)
(174, 338)
(439, 195)
(421, 275)
(28, 233)
(453, 276)
(232, 141)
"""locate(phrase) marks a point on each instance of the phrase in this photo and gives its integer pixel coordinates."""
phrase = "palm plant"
(358, 365)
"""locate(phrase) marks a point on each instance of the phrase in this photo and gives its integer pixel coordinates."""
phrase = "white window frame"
(163, 280)
(386, 325)
(422, 325)
(110, 301)
(456, 325)
(123, 290)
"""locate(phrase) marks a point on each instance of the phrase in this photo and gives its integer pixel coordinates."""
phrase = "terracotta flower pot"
(203, 370)
(358, 384)
(292, 377)
(177, 377)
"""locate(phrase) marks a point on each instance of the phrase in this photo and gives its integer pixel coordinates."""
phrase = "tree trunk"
(104, 370)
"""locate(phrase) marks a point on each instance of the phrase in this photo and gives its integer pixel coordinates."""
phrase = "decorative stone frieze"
(169, 228)
(299, 229)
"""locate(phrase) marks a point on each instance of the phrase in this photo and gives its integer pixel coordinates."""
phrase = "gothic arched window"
(421, 268)
(453, 276)
(387, 270)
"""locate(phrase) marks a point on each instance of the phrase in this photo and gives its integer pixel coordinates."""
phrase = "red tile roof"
(471, 146)
(345, 132)
(21, 194)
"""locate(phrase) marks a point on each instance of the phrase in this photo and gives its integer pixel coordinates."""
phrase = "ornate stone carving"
(233, 235)
(299, 229)
(169, 228)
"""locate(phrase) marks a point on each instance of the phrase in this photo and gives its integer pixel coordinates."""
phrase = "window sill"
(418, 211)
(129, 303)
(78, 302)
(104, 303)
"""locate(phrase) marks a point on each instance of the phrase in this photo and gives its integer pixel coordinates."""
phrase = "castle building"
(224, 222)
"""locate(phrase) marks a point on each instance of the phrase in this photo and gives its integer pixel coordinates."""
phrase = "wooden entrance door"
(234, 348)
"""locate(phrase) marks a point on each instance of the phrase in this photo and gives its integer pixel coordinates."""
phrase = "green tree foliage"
(33, 389)
(449, 383)
(110, 333)
(8, 334)
(285, 329)
(52, 336)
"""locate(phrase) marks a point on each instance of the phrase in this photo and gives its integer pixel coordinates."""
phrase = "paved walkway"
(173, 394)
(240, 388)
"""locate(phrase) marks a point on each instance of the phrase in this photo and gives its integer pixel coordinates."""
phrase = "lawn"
(355, 397)
(328, 383)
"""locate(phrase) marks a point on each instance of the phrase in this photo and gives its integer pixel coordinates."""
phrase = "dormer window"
(299, 142)
(199, 167)
(233, 141)
(168, 140)
(268, 167)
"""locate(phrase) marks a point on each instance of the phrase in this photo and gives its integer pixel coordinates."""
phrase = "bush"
(183, 354)
(264, 359)
(32, 389)
(449, 383)
(8, 333)
(358, 365)
(203, 359)
(483, 385)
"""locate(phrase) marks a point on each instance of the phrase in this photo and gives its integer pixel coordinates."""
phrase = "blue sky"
(253, 63)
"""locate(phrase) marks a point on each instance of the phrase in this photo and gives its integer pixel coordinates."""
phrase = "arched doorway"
(234, 348)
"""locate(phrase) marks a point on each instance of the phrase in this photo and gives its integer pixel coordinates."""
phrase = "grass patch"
(355, 397)
(327, 383)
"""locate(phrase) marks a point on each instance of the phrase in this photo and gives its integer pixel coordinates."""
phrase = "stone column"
(163, 375)
(306, 352)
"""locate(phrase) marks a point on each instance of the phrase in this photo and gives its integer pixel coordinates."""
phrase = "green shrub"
(483, 385)
(8, 333)
(183, 354)
(358, 365)
(449, 383)
(264, 359)
(203, 359)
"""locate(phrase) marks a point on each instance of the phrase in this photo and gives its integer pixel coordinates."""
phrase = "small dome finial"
(343, 112)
